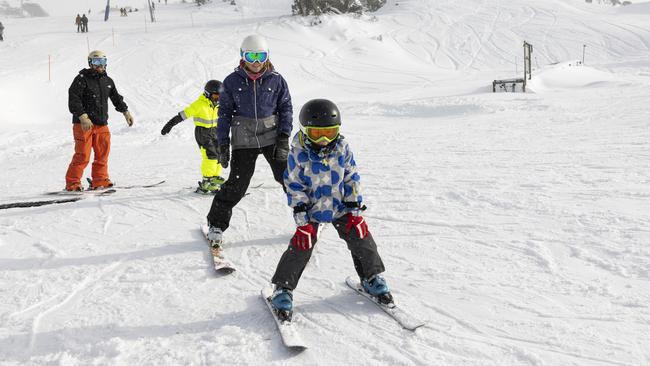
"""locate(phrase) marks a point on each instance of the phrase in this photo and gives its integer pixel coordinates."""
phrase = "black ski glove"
(223, 155)
(281, 150)
(172, 122)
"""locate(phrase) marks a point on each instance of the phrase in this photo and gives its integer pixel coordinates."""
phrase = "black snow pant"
(206, 138)
(79, 27)
(365, 257)
(242, 167)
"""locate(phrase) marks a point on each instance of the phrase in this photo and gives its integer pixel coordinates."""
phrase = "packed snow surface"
(516, 224)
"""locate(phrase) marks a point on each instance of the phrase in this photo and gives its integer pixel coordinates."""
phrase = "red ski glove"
(359, 225)
(303, 238)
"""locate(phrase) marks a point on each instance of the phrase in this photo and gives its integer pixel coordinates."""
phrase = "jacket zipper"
(101, 98)
(259, 145)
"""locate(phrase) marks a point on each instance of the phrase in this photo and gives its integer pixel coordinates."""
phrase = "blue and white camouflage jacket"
(322, 183)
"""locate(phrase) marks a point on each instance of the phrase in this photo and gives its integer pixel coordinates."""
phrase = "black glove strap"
(300, 208)
(356, 205)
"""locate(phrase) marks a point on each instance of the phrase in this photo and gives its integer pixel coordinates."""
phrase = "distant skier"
(204, 110)
(2, 28)
(255, 109)
(88, 102)
(323, 186)
(77, 22)
(84, 24)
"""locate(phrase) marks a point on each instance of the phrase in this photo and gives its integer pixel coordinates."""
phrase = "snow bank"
(569, 75)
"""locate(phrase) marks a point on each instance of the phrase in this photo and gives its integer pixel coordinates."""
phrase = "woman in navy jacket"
(255, 117)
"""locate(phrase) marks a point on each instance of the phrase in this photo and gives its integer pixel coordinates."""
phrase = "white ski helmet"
(254, 43)
(96, 55)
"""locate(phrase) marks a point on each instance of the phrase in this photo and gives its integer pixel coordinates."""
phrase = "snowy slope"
(516, 224)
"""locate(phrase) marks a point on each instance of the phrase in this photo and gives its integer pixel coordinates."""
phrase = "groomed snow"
(516, 224)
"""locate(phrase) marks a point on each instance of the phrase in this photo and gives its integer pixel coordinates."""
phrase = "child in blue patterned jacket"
(323, 186)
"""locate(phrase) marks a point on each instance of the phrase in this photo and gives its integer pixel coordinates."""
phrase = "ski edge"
(103, 192)
(400, 315)
(288, 332)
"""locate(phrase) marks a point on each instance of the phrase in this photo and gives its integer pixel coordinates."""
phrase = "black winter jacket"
(89, 94)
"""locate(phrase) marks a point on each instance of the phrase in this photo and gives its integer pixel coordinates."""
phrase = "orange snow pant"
(98, 138)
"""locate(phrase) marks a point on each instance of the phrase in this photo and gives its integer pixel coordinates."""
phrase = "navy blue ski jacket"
(257, 111)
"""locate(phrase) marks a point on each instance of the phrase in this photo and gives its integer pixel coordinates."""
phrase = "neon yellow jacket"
(204, 112)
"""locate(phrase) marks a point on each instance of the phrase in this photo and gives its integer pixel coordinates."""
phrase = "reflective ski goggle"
(255, 56)
(98, 61)
(319, 134)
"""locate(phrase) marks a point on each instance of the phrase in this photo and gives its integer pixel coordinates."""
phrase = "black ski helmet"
(212, 87)
(320, 113)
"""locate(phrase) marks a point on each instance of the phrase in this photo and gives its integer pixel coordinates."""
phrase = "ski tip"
(225, 270)
(204, 228)
(352, 281)
(417, 326)
(266, 291)
(297, 348)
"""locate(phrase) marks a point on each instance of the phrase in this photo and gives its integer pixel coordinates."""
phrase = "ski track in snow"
(516, 225)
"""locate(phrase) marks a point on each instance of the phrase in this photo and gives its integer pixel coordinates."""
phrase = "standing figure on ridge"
(84, 23)
(77, 21)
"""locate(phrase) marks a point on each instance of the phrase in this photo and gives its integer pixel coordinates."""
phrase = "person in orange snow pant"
(97, 139)
(88, 102)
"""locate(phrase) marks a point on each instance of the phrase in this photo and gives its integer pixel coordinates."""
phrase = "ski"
(402, 316)
(97, 192)
(288, 332)
(37, 203)
(131, 186)
(141, 185)
(221, 264)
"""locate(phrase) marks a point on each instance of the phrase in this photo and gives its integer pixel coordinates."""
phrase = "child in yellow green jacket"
(204, 111)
